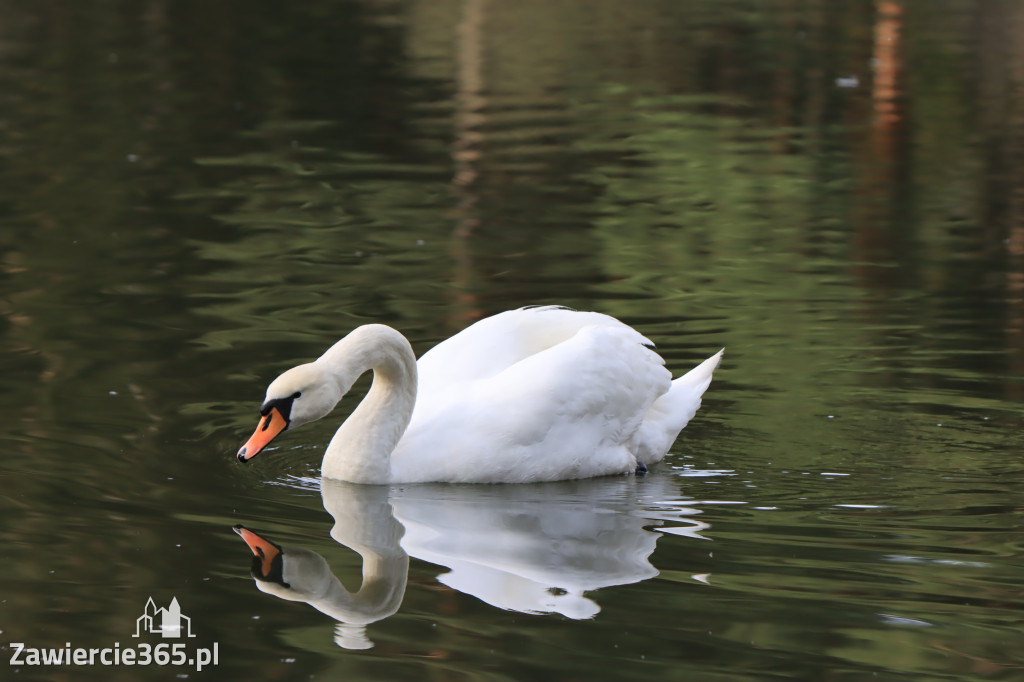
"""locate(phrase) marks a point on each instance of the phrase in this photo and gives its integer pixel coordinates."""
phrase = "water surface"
(194, 198)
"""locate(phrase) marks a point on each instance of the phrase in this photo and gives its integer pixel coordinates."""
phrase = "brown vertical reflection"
(1015, 237)
(883, 159)
(887, 89)
(880, 233)
(1004, 130)
(784, 85)
(466, 151)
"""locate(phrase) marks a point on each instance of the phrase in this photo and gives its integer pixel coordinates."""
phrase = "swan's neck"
(361, 449)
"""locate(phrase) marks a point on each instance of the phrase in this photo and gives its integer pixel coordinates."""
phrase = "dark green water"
(196, 196)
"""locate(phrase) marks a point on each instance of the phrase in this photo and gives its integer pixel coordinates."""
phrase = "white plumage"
(535, 394)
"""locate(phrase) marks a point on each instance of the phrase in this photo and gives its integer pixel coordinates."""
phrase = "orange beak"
(272, 424)
(263, 549)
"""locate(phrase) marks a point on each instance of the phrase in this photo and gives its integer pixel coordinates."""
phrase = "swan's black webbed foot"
(641, 469)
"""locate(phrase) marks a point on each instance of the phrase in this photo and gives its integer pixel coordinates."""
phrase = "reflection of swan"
(535, 548)
(531, 548)
(363, 522)
(536, 394)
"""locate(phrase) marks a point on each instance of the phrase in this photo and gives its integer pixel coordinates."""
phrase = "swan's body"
(536, 394)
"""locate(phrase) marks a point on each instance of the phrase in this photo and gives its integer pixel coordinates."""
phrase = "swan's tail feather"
(697, 380)
(672, 411)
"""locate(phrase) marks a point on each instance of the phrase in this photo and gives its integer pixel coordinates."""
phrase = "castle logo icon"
(167, 622)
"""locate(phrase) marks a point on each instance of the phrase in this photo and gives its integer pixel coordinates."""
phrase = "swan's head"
(268, 557)
(291, 573)
(300, 395)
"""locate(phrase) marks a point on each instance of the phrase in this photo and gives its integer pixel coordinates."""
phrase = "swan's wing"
(568, 411)
(494, 344)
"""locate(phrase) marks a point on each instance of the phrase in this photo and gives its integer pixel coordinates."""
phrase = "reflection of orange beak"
(272, 424)
(264, 549)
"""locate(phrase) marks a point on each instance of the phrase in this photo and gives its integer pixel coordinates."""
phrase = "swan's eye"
(283, 405)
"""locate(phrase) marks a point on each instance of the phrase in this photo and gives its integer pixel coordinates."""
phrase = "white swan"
(535, 394)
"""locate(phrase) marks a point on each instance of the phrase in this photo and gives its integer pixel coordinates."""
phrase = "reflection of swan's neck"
(365, 522)
(379, 596)
(307, 577)
(385, 571)
(361, 449)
